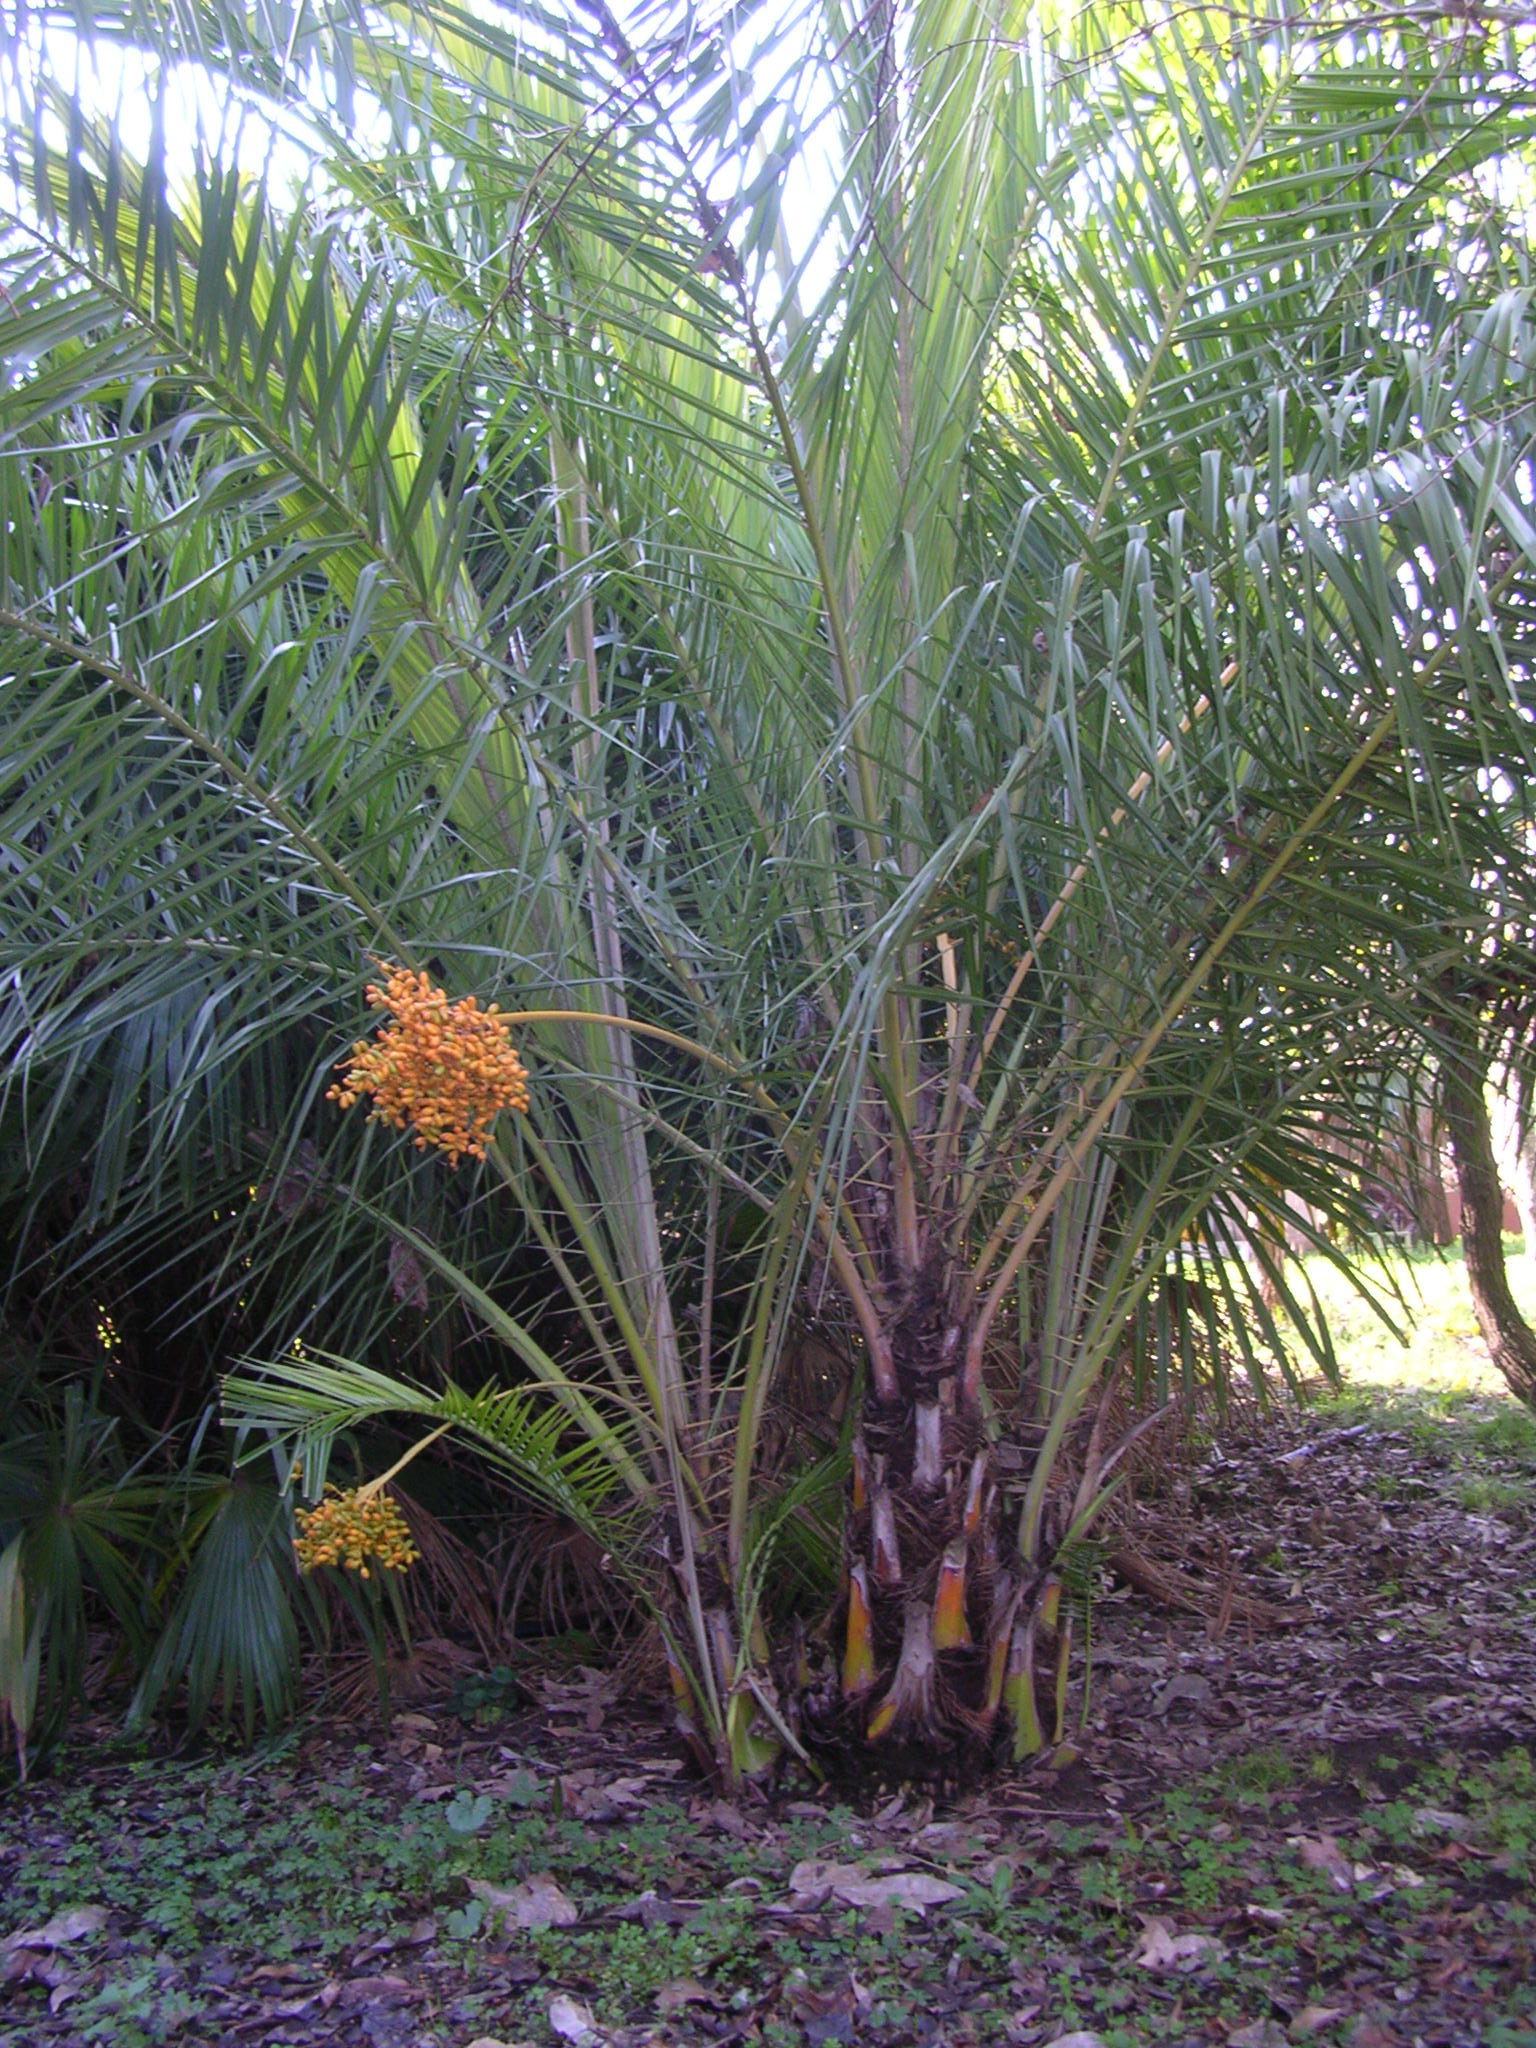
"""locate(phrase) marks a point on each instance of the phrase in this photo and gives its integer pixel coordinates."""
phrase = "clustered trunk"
(937, 1631)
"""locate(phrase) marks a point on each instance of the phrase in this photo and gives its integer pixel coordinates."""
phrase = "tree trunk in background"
(1523, 1188)
(1433, 1211)
(1464, 1106)
(1516, 1143)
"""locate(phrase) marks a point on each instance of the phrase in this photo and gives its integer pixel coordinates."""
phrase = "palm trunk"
(937, 1629)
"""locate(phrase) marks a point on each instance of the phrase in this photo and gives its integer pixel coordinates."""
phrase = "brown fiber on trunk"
(948, 1645)
(925, 1598)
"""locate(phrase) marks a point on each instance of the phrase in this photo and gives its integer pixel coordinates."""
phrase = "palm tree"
(913, 721)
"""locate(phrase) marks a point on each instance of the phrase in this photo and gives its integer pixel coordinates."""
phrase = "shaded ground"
(1322, 1831)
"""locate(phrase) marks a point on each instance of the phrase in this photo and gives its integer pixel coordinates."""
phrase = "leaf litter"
(1321, 1832)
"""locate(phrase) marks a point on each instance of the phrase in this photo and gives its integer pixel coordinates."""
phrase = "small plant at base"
(1259, 1773)
(1507, 1429)
(486, 1696)
(467, 1812)
(447, 1070)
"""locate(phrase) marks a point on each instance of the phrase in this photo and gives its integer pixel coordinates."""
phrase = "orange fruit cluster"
(350, 1529)
(446, 1069)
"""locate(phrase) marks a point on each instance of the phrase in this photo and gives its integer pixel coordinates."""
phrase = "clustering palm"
(944, 772)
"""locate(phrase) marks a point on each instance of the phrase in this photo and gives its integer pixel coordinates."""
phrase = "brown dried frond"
(552, 1579)
(448, 1593)
(422, 1673)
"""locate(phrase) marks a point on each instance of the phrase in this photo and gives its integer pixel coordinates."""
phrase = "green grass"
(1475, 1444)
(1259, 1772)
(1441, 1350)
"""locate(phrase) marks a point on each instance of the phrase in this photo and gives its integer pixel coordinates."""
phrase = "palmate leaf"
(231, 1634)
(85, 1528)
(20, 1651)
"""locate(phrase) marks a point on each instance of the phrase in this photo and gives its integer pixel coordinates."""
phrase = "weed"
(467, 1812)
(1503, 1802)
(1491, 1496)
(1510, 1431)
(1207, 1874)
(1395, 1823)
(1259, 1773)
(486, 1697)
(1101, 1885)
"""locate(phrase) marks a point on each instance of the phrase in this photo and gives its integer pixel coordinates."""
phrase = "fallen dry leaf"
(572, 2020)
(651, 1910)
(1259, 2034)
(1182, 1686)
(1267, 1916)
(1312, 2019)
(70, 1925)
(956, 1839)
(628, 1791)
(35, 1966)
(584, 1797)
(1322, 1852)
(1432, 1820)
(824, 2015)
(417, 1935)
(536, 1902)
(1161, 1949)
(730, 1820)
(912, 1889)
(1369, 2033)
(369, 1991)
(859, 1885)
(589, 1697)
(997, 1870)
(685, 1991)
